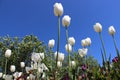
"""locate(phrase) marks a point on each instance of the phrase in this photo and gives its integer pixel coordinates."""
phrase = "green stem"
(117, 51)
(103, 46)
(6, 66)
(58, 43)
(68, 52)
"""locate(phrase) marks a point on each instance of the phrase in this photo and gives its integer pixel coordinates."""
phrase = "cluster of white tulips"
(36, 58)
(35, 65)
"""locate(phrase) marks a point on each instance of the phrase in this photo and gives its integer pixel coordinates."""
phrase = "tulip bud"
(4, 76)
(88, 41)
(8, 53)
(22, 64)
(72, 63)
(83, 52)
(1, 74)
(111, 30)
(51, 43)
(71, 41)
(60, 56)
(83, 43)
(12, 68)
(66, 21)
(98, 27)
(68, 48)
(58, 9)
(59, 64)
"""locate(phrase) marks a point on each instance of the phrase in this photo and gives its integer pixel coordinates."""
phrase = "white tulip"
(60, 56)
(83, 43)
(43, 75)
(37, 57)
(111, 30)
(98, 27)
(58, 9)
(83, 52)
(40, 70)
(28, 78)
(17, 74)
(72, 63)
(8, 77)
(22, 64)
(8, 53)
(42, 56)
(12, 68)
(51, 43)
(1, 74)
(88, 41)
(32, 77)
(28, 69)
(35, 65)
(59, 64)
(66, 21)
(68, 48)
(71, 41)
(4, 76)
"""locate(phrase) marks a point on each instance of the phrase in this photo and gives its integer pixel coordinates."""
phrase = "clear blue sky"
(24, 17)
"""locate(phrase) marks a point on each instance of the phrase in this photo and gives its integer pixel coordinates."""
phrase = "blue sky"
(24, 17)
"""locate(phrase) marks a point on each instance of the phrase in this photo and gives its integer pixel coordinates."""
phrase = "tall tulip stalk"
(112, 31)
(98, 29)
(58, 11)
(66, 22)
(7, 55)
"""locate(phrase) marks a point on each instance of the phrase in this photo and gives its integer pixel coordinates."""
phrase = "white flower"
(83, 43)
(28, 69)
(66, 21)
(59, 64)
(8, 77)
(88, 41)
(42, 56)
(37, 57)
(71, 41)
(43, 75)
(12, 68)
(1, 74)
(60, 56)
(58, 9)
(28, 78)
(68, 48)
(111, 30)
(72, 63)
(83, 52)
(4, 76)
(51, 43)
(8, 53)
(35, 65)
(40, 70)
(22, 64)
(17, 74)
(98, 27)
(31, 77)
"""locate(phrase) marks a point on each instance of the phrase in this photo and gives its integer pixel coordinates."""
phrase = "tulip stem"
(68, 51)
(58, 43)
(117, 51)
(103, 46)
(5, 66)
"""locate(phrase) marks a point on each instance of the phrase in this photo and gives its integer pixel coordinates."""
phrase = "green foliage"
(21, 50)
